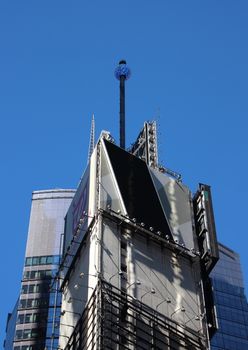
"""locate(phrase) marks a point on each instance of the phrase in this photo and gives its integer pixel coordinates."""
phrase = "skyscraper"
(34, 317)
(231, 303)
(138, 249)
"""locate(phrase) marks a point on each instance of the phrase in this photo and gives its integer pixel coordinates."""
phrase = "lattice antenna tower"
(92, 137)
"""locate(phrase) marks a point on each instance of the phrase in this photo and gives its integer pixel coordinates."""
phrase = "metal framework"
(113, 319)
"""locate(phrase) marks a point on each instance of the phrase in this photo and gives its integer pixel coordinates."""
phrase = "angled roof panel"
(137, 189)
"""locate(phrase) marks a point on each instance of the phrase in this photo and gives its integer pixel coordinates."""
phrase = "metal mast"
(92, 137)
(122, 73)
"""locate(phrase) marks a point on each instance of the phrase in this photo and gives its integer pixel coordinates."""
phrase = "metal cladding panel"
(82, 207)
(75, 296)
(47, 221)
(169, 283)
(78, 210)
(109, 192)
(176, 201)
(80, 284)
(137, 189)
(110, 256)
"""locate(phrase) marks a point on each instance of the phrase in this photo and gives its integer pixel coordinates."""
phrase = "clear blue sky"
(189, 67)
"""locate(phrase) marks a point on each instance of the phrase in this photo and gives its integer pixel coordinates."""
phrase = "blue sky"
(189, 70)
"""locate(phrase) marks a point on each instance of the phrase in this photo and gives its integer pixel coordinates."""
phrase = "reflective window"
(231, 304)
(30, 333)
(34, 303)
(36, 288)
(38, 274)
(42, 260)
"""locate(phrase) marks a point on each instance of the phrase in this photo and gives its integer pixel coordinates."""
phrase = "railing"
(113, 319)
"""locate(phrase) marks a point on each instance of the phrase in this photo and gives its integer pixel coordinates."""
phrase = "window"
(38, 274)
(18, 334)
(49, 259)
(29, 318)
(22, 303)
(28, 261)
(20, 319)
(26, 334)
(24, 289)
(42, 260)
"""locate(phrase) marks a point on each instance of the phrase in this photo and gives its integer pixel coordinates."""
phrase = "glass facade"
(10, 328)
(39, 303)
(231, 303)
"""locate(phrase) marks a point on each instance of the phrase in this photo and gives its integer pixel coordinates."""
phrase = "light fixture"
(152, 291)
(82, 274)
(77, 286)
(135, 282)
(142, 224)
(167, 300)
(151, 229)
(120, 273)
(69, 312)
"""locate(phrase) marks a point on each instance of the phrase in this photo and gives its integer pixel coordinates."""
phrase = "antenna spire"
(122, 73)
(92, 137)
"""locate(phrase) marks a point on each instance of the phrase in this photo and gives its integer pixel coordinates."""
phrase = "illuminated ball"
(122, 70)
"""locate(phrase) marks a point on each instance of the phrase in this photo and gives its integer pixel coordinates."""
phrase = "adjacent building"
(231, 303)
(33, 324)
